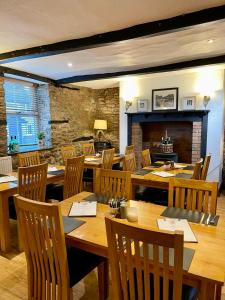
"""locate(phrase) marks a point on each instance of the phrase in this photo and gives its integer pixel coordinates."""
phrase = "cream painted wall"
(204, 81)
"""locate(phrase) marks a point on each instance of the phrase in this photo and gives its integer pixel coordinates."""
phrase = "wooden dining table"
(155, 181)
(93, 161)
(207, 269)
(9, 189)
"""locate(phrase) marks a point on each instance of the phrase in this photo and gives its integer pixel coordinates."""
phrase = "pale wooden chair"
(73, 176)
(52, 268)
(205, 167)
(139, 273)
(145, 158)
(129, 149)
(28, 159)
(112, 183)
(5, 165)
(68, 152)
(32, 181)
(129, 162)
(192, 194)
(88, 148)
(107, 158)
(197, 170)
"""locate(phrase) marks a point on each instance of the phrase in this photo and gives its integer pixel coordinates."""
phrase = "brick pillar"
(136, 140)
(196, 141)
(3, 132)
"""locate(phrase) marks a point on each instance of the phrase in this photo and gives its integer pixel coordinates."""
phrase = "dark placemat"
(71, 223)
(180, 213)
(97, 197)
(143, 172)
(156, 165)
(190, 168)
(183, 175)
(3, 175)
(188, 255)
(210, 220)
(57, 172)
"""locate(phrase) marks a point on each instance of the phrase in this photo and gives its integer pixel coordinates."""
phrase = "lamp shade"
(100, 124)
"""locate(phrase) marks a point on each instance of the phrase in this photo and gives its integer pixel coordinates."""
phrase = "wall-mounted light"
(128, 104)
(206, 100)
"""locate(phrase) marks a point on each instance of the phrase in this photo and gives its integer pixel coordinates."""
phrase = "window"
(22, 111)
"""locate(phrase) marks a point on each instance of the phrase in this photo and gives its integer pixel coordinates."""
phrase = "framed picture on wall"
(189, 103)
(142, 105)
(165, 99)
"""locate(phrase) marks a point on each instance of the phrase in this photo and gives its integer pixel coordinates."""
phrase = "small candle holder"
(132, 214)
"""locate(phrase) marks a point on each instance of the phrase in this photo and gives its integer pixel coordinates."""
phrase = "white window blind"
(22, 111)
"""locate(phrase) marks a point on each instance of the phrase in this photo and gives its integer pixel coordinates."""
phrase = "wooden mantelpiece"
(171, 116)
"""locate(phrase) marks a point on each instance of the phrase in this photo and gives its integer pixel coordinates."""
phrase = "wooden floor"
(13, 278)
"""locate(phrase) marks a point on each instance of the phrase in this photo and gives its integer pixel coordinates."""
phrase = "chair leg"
(71, 294)
(103, 280)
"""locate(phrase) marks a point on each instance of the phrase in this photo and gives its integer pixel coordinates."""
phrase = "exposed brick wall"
(3, 133)
(136, 140)
(196, 141)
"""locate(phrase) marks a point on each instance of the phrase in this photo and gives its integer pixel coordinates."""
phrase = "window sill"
(32, 148)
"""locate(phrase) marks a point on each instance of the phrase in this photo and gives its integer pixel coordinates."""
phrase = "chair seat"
(81, 263)
(54, 191)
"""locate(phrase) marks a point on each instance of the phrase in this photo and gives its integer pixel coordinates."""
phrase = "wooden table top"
(155, 180)
(209, 257)
(92, 161)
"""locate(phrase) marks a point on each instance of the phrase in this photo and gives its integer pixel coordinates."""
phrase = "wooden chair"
(205, 167)
(112, 183)
(73, 176)
(129, 149)
(32, 181)
(193, 194)
(5, 165)
(88, 148)
(107, 158)
(145, 158)
(197, 170)
(140, 262)
(129, 162)
(29, 159)
(68, 152)
(52, 269)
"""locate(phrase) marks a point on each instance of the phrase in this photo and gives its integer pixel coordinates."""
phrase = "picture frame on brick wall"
(189, 103)
(142, 105)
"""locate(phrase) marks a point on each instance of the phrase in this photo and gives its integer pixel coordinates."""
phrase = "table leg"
(218, 292)
(103, 280)
(4, 224)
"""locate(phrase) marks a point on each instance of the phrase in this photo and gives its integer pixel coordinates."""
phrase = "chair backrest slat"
(107, 158)
(29, 159)
(43, 237)
(112, 183)
(205, 167)
(145, 158)
(129, 162)
(197, 170)
(139, 260)
(195, 194)
(5, 165)
(88, 148)
(68, 152)
(73, 176)
(129, 149)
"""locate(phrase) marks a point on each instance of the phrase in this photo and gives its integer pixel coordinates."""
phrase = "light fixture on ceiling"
(210, 41)
(69, 64)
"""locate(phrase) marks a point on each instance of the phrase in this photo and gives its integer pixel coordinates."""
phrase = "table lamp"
(100, 125)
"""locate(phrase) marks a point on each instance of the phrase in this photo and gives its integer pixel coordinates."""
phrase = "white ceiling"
(25, 24)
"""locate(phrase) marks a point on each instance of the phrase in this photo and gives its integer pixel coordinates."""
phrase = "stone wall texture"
(72, 115)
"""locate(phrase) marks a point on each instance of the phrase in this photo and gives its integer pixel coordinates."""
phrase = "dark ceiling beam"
(5, 70)
(157, 69)
(155, 28)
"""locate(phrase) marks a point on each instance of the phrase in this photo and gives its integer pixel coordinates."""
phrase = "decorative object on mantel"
(100, 125)
(166, 144)
(165, 99)
(41, 138)
(142, 105)
(128, 103)
(189, 103)
(206, 100)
